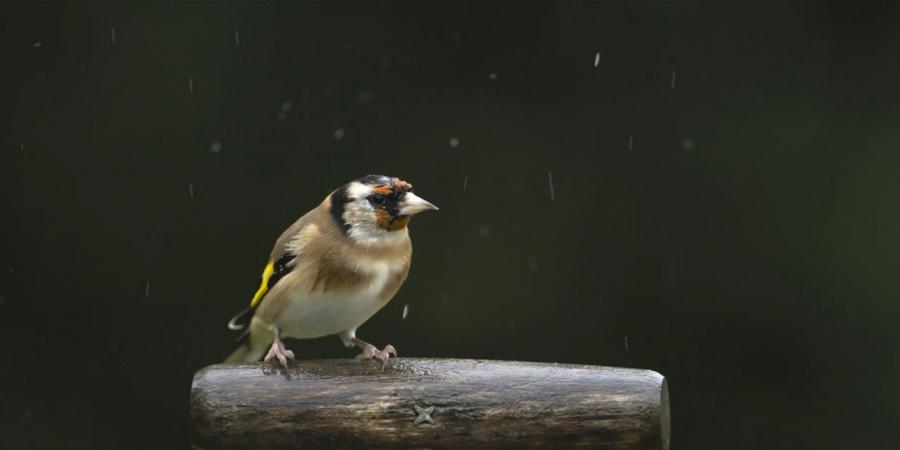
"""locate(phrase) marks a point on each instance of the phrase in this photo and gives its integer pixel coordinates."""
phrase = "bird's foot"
(279, 351)
(369, 351)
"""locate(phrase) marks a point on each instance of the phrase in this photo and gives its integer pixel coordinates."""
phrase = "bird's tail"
(253, 342)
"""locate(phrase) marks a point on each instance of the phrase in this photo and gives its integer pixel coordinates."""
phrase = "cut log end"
(429, 403)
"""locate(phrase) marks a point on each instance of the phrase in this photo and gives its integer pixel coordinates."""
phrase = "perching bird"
(332, 270)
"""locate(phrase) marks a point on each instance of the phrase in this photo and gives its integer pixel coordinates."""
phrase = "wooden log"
(476, 404)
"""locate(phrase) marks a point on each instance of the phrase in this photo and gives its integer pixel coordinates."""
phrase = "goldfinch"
(332, 270)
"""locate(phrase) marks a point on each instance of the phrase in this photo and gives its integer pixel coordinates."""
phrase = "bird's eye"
(376, 199)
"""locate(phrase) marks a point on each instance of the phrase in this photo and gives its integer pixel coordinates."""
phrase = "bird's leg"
(369, 351)
(279, 351)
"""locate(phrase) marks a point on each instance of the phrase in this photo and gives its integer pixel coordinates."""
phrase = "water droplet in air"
(550, 182)
(216, 147)
(37, 44)
(492, 76)
(454, 142)
(405, 311)
(687, 144)
(338, 134)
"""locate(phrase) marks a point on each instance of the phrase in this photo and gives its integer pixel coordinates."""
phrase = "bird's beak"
(413, 204)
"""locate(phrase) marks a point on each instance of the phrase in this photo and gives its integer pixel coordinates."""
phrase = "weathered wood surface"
(477, 404)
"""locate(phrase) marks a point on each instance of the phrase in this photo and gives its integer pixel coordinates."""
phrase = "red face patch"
(382, 189)
(388, 222)
(385, 199)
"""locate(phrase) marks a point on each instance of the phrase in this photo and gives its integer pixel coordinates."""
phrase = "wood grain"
(478, 404)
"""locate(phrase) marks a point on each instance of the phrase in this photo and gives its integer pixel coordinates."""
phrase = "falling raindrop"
(216, 147)
(465, 182)
(493, 76)
(673, 79)
(37, 44)
(22, 147)
(484, 231)
(626, 343)
(112, 35)
(338, 134)
(191, 190)
(687, 144)
(190, 84)
(365, 97)
(287, 105)
(147, 289)
(237, 38)
(454, 142)
(550, 181)
(596, 59)
(405, 311)
(630, 141)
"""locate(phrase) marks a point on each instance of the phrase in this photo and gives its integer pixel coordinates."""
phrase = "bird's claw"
(280, 352)
(372, 352)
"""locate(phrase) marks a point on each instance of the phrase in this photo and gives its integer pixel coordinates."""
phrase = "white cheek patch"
(358, 191)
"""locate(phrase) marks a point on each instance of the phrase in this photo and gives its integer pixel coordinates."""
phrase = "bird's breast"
(322, 312)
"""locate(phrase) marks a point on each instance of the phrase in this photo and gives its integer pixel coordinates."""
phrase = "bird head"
(375, 209)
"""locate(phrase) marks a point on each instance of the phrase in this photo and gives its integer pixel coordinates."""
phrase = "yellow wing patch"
(264, 286)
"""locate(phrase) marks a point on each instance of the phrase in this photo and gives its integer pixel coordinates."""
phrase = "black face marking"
(280, 269)
(338, 200)
(389, 203)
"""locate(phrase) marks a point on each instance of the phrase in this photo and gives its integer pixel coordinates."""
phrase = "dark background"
(745, 245)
